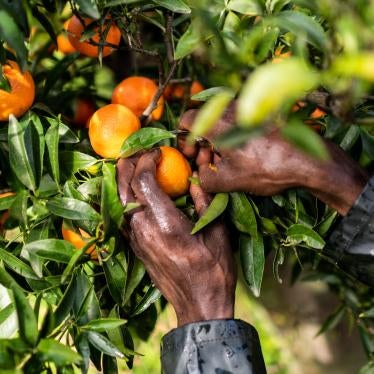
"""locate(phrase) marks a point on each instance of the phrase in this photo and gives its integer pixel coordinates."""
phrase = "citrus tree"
(85, 82)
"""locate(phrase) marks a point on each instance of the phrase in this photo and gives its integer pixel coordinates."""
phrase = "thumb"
(200, 198)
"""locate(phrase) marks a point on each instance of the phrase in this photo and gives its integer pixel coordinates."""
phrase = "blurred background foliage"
(306, 67)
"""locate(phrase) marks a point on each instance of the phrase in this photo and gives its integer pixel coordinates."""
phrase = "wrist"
(211, 311)
(337, 182)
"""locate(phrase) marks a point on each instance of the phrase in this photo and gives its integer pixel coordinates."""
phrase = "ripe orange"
(78, 240)
(317, 113)
(109, 127)
(136, 93)
(63, 42)
(75, 30)
(173, 172)
(279, 56)
(84, 108)
(20, 98)
(178, 91)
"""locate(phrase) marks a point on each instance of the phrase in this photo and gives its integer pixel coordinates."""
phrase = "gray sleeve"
(351, 244)
(214, 347)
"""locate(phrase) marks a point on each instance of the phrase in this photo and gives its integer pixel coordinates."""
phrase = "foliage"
(62, 299)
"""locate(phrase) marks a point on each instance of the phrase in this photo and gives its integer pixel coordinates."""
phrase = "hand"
(195, 273)
(268, 164)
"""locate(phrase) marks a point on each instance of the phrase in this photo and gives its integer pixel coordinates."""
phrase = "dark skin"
(196, 274)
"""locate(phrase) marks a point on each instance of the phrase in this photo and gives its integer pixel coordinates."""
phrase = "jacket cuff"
(212, 347)
(353, 225)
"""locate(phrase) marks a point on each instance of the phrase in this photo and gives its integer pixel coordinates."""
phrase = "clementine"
(109, 126)
(173, 172)
(136, 93)
(75, 30)
(79, 240)
(22, 91)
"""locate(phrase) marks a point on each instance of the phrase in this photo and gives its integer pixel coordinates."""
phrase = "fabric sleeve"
(217, 346)
(351, 244)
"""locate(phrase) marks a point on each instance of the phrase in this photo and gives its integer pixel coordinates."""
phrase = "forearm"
(337, 182)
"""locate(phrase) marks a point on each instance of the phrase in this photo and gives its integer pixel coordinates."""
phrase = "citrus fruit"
(317, 113)
(173, 172)
(136, 93)
(178, 91)
(63, 42)
(84, 108)
(22, 92)
(79, 240)
(279, 56)
(109, 127)
(75, 29)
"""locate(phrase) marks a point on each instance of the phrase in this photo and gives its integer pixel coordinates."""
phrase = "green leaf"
(152, 295)
(21, 152)
(303, 137)
(89, 8)
(28, 327)
(115, 276)
(90, 308)
(247, 7)
(242, 214)
(52, 351)
(51, 249)
(188, 42)
(332, 320)
(210, 113)
(252, 260)
(214, 210)
(298, 233)
(367, 314)
(58, 70)
(10, 32)
(44, 21)
(52, 141)
(18, 209)
(73, 161)
(120, 2)
(111, 206)
(135, 274)
(66, 302)
(368, 368)
(355, 66)
(66, 135)
(208, 93)
(79, 253)
(72, 209)
(104, 345)
(271, 86)
(103, 324)
(176, 6)
(6, 202)
(16, 264)
(302, 25)
(144, 139)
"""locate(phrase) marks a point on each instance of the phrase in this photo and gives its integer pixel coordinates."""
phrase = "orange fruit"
(136, 93)
(78, 240)
(317, 113)
(173, 172)
(279, 56)
(178, 91)
(22, 93)
(75, 29)
(109, 126)
(84, 108)
(63, 42)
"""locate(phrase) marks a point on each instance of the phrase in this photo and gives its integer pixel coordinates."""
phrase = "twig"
(168, 38)
(153, 104)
